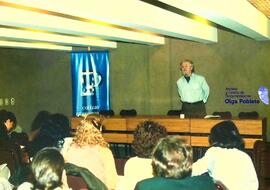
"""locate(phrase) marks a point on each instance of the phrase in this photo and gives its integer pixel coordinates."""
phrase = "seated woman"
(53, 129)
(172, 167)
(137, 168)
(88, 149)
(48, 171)
(11, 152)
(225, 161)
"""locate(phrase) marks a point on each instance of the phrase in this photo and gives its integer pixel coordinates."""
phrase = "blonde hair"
(172, 158)
(88, 134)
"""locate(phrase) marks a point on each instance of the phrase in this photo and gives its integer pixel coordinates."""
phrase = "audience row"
(162, 162)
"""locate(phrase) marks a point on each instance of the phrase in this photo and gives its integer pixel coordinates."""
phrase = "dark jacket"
(90, 179)
(202, 182)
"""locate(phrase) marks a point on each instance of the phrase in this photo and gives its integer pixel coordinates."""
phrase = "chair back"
(76, 182)
(248, 115)
(106, 112)
(10, 154)
(174, 112)
(223, 115)
(126, 112)
(261, 153)
(120, 165)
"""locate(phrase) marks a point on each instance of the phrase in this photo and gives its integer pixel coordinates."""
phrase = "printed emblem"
(89, 81)
(263, 94)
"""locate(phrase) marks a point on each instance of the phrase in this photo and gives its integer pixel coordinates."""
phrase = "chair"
(76, 182)
(79, 178)
(174, 112)
(106, 112)
(128, 112)
(248, 115)
(10, 154)
(223, 115)
(261, 153)
(120, 165)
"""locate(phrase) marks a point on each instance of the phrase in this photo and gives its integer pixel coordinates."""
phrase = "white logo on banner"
(89, 81)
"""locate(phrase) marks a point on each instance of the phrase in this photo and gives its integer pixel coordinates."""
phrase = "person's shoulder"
(241, 154)
(215, 150)
(105, 153)
(25, 186)
(202, 177)
(228, 152)
(192, 183)
(131, 160)
(104, 150)
(136, 162)
(203, 180)
(5, 184)
(180, 79)
(148, 184)
(138, 159)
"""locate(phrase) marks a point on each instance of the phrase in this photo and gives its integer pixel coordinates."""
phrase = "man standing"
(193, 91)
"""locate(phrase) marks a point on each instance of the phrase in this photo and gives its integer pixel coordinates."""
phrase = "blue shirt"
(195, 90)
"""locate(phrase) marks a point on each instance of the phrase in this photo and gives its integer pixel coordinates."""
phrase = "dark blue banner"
(90, 82)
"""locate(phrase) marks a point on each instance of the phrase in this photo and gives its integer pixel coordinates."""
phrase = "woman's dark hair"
(146, 136)
(172, 158)
(62, 122)
(47, 168)
(39, 120)
(4, 116)
(12, 117)
(52, 133)
(226, 135)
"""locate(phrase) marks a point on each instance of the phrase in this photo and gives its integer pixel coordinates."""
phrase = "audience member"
(89, 150)
(225, 161)
(48, 171)
(4, 177)
(172, 167)
(137, 168)
(52, 133)
(52, 130)
(7, 123)
(37, 123)
(11, 152)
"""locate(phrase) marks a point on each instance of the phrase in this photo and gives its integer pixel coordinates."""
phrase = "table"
(195, 131)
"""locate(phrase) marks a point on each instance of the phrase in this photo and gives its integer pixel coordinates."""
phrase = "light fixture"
(237, 15)
(28, 45)
(131, 14)
(14, 17)
(27, 35)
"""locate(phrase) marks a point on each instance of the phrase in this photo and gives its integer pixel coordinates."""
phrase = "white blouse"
(136, 169)
(234, 168)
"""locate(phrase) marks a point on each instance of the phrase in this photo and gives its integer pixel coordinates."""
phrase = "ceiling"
(84, 24)
(262, 5)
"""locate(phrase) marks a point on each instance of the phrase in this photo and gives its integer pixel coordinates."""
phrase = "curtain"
(90, 82)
